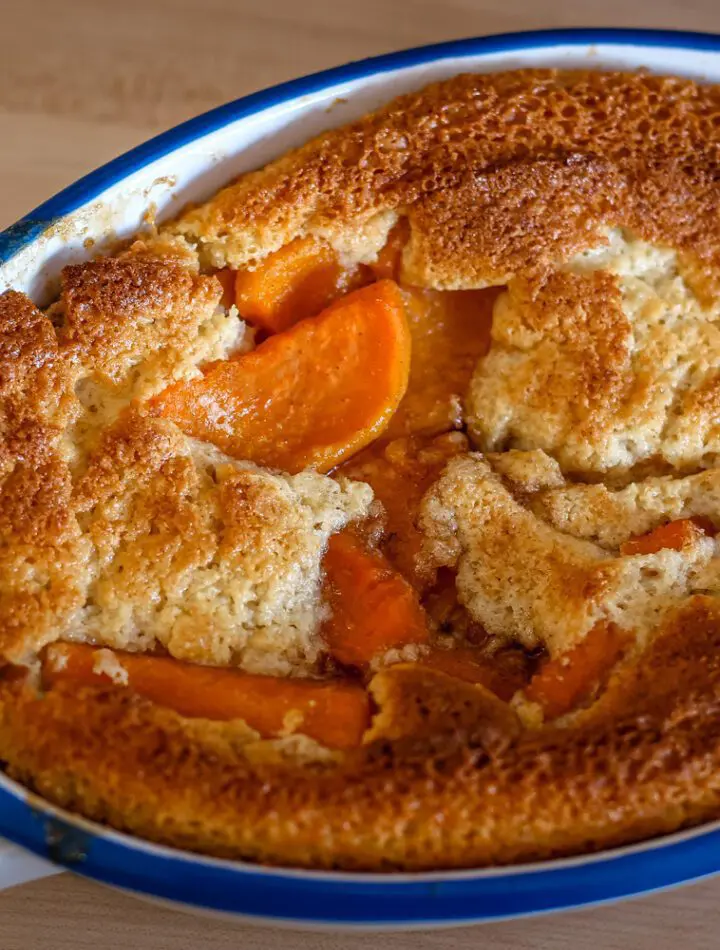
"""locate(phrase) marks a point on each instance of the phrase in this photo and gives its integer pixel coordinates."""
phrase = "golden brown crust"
(610, 517)
(117, 311)
(27, 343)
(515, 218)
(559, 371)
(508, 178)
(115, 527)
(645, 761)
(43, 557)
(42, 560)
(217, 561)
(610, 364)
(36, 397)
(499, 173)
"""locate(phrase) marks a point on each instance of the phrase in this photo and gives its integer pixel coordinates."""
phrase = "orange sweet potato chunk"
(336, 714)
(374, 609)
(308, 397)
(399, 473)
(389, 259)
(226, 278)
(502, 673)
(674, 535)
(567, 680)
(450, 332)
(298, 281)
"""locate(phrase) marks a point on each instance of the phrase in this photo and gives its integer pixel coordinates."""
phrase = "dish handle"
(18, 866)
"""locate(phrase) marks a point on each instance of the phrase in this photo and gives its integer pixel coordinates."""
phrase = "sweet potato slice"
(374, 609)
(310, 396)
(450, 331)
(502, 673)
(389, 259)
(226, 279)
(674, 535)
(400, 472)
(334, 713)
(565, 681)
(298, 281)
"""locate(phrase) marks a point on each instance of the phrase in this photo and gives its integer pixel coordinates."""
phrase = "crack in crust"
(529, 569)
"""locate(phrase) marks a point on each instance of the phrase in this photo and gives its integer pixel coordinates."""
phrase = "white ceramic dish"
(190, 163)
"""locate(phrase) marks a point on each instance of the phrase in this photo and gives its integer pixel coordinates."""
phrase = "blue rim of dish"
(327, 898)
(346, 899)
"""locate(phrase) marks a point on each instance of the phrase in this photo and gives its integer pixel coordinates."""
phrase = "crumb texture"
(462, 790)
(525, 574)
(609, 363)
(217, 561)
(499, 174)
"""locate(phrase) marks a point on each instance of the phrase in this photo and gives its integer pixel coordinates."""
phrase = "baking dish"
(188, 164)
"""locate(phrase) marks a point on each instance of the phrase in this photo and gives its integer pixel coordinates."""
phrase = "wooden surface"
(81, 81)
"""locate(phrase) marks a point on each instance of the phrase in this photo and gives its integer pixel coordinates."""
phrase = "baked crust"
(118, 529)
(466, 788)
(499, 174)
(609, 362)
(507, 179)
(108, 516)
(214, 560)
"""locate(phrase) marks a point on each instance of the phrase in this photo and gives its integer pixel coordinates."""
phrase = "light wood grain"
(65, 913)
(83, 80)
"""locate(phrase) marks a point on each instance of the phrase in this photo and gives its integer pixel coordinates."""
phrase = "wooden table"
(87, 79)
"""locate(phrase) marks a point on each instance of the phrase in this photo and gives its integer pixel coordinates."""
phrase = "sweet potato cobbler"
(365, 516)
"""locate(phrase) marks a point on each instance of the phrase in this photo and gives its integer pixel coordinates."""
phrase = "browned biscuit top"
(117, 529)
(465, 788)
(499, 174)
(522, 178)
(116, 311)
